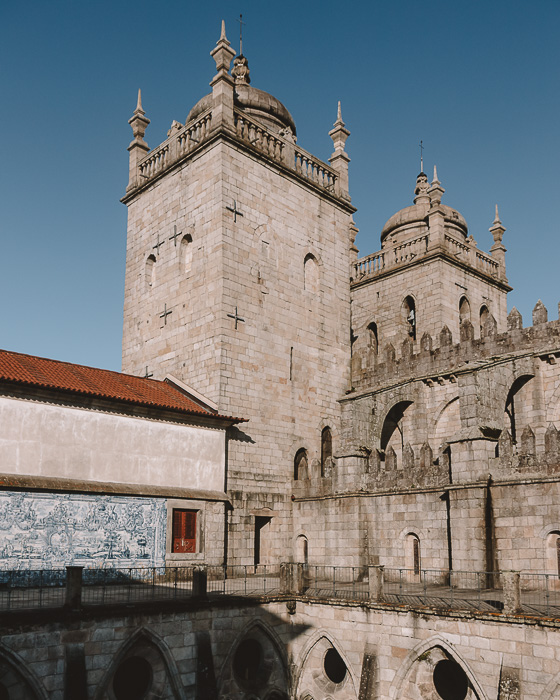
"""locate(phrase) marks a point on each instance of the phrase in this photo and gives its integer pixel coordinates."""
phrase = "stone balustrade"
(314, 170)
(403, 253)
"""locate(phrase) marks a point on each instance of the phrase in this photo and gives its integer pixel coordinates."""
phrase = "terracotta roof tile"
(100, 383)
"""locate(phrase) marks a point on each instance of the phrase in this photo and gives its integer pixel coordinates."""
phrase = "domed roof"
(262, 105)
(417, 214)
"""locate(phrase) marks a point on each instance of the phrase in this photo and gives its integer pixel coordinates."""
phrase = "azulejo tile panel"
(41, 531)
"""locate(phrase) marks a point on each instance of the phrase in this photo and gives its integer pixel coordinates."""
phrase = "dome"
(254, 102)
(416, 216)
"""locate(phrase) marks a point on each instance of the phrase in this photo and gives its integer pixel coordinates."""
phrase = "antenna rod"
(421, 157)
(241, 23)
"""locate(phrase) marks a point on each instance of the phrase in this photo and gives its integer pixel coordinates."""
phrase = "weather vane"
(421, 157)
(241, 23)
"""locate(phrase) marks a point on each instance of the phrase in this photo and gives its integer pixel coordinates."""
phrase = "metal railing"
(540, 594)
(32, 588)
(349, 582)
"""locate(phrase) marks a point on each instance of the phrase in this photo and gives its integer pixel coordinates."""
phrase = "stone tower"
(428, 275)
(238, 252)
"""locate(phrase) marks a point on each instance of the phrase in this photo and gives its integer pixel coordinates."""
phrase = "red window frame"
(184, 531)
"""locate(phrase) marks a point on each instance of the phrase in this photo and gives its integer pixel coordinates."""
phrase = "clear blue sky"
(478, 82)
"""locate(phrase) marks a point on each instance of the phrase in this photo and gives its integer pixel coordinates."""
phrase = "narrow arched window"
(410, 316)
(412, 554)
(326, 449)
(150, 271)
(484, 313)
(185, 253)
(310, 274)
(464, 310)
(373, 338)
(300, 465)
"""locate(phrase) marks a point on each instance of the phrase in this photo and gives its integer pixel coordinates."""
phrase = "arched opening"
(150, 272)
(450, 681)
(394, 429)
(334, 666)
(517, 408)
(410, 316)
(372, 338)
(133, 678)
(412, 554)
(248, 660)
(553, 553)
(326, 451)
(302, 550)
(185, 253)
(464, 310)
(300, 465)
(310, 274)
(483, 316)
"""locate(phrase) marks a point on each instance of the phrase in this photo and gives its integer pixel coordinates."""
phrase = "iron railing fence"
(436, 588)
(32, 588)
(350, 582)
(540, 594)
(244, 580)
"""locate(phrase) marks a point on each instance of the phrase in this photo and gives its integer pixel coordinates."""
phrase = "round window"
(335, 668)
(248, 659)
(450, 680)
(132, 679)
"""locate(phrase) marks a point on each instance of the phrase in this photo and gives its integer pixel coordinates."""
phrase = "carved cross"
(237, 318)
(165, 314)
(235, 211)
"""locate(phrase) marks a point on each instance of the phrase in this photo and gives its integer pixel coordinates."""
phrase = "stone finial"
(490, 327)
(527, 441)
(445, 337)
(435, 191)
(505, 444)
(390, 459)
(540, 314)
(222, 53)
(498, 250)
(466, 331)
(407, 349)
(552, 442)
(421, 195)
(426, 344)
(339, 133)
(514, 320)
(339, 159)
(408, 456)
(426, 456)
(390, 353)
(353, 231)
(139, 121)
(240, 70)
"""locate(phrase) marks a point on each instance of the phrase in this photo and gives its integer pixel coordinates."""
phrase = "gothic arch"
(423, 648)
(321, 639)
(15, 672)
(147, 645)
(277, 675)
(447, 414)
(514, 412)
(392, 434)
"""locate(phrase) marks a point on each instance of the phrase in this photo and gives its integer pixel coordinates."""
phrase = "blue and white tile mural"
(55, 530)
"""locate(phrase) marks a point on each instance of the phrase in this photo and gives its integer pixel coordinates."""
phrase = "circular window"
(132, 679)
(247, 661)
(450, 680)
(335, 668)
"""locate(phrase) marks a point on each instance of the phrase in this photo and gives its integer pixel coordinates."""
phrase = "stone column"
(376, 580)
(512, 592)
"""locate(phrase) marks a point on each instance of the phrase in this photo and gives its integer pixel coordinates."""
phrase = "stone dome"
(416, 216)
(256, 103)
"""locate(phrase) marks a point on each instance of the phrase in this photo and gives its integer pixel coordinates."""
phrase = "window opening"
(310, 274)
(334, 666)
(409, 311)
(484, 313)
(262, 525)
(464, 310)
(300, 465)
(326, 448)
(184, 531)
(450, 680)
(150, 271)
(248, 660)
(373, 338)
(133, 678)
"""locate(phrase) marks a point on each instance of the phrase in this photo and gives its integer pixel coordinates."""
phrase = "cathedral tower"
(238, 250)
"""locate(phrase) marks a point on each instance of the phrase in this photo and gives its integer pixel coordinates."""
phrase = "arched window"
(326, 449)
(409, 316)
(464, 310)
(310, 274)
(302, 551)
(517, 409)
(484, 313)
(394, 428)
(185, 253)
(300, 465)
(553, 553)
(412, 553)
(150, 271)
(372, 338)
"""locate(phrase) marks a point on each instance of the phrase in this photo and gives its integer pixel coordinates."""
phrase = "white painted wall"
(56, 441)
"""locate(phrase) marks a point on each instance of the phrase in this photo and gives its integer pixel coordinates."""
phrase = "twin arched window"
(301, 465)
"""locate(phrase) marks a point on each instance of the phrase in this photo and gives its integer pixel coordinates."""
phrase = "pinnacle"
(223, 36)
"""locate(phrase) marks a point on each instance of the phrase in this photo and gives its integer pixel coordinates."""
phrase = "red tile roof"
(38, 372)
